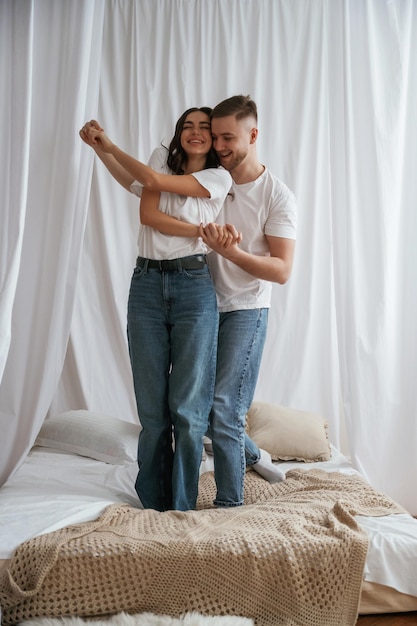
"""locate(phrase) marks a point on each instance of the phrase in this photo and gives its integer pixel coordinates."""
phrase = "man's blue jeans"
(172, 334)
(239, 352)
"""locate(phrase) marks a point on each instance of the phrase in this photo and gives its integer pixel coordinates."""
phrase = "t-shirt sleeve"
(136, 188)
(217, 181)
(282, 216)
(158, 162)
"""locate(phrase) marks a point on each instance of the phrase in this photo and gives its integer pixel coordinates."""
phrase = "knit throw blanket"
(292, 556)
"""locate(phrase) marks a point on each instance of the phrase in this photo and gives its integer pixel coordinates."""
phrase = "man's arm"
(275, 268)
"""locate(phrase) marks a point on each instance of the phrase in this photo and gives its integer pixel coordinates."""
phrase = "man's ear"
(253, 135)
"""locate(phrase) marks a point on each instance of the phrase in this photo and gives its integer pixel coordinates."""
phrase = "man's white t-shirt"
(155, 245)
(262, 207)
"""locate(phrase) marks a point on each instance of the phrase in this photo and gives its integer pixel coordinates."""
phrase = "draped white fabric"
(336, 87)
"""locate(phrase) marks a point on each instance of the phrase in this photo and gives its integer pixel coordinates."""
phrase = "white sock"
(208, 445)
(266, 468)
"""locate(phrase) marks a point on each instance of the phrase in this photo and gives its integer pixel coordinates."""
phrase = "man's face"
(231, 139)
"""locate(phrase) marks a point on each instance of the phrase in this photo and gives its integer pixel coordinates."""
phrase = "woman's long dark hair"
(177, 157)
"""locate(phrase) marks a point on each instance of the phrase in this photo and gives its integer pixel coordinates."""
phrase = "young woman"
(172, 310)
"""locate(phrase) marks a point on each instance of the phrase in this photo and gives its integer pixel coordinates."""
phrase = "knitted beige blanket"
(292, 556)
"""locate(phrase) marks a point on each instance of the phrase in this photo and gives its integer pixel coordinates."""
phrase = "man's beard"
(237, 159)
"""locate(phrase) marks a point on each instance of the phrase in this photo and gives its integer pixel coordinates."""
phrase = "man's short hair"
(239, 106)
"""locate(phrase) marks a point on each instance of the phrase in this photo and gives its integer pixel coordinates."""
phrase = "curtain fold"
(16, 33)
(372, 202)
(46, 204)
(336, 86)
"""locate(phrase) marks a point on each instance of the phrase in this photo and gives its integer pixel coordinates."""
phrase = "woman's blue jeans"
(172, 335)
(239, 352)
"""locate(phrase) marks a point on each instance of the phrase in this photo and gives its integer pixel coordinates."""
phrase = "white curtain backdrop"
(336, 86)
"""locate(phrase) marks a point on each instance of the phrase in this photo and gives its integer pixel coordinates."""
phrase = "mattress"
(53, 489)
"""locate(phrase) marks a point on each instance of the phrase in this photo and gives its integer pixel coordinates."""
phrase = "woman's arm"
(186, 185)
(150, 215)
(119, 173)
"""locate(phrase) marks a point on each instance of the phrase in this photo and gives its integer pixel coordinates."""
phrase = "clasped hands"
(219, 238)
(93, 135)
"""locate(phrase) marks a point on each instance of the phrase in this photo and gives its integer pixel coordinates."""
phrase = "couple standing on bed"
(217, 227)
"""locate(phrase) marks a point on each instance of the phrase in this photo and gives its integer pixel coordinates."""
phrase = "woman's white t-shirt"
(155, 245)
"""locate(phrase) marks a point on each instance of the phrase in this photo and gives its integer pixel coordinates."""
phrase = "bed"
(320, 547)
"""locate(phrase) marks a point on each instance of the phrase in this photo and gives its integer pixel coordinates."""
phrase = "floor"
(393, 619)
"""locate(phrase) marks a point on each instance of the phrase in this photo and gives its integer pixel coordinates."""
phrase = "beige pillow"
(288, 434)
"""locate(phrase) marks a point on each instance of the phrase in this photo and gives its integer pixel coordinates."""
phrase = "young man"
(263, 209)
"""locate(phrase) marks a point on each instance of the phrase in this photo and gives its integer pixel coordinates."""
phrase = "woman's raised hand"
(99, 139)
(86, 129)
(93, 135)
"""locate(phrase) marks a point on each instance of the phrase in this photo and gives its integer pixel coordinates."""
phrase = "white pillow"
(288, 434)
(91, 434)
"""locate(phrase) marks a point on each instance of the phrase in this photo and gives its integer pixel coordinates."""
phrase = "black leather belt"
(195, 262)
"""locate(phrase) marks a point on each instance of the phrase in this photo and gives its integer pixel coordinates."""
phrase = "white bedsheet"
(53, 489)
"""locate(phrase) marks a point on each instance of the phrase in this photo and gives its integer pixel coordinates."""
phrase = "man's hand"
(236, 237)
(220, 238)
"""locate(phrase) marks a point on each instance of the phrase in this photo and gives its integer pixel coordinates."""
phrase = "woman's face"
(196, 134)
